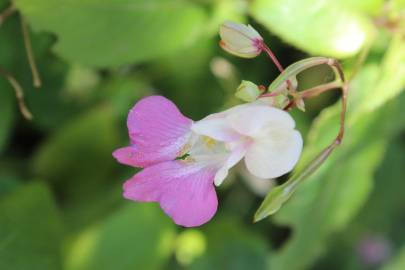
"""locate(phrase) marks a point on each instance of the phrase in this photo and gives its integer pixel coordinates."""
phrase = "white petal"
(275, 154)
(252, 119)
(216, 127)
(237, 153)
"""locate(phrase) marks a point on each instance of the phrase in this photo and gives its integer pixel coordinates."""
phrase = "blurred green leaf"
(231, 10)
(331, 202)
(137, 236)
(112, 33)
(7, 113)
(48, 105)
(196, 91)
(316, 26)
(391, 78)
(122, 92)
(231, 246)
(398, 262)
(372, 7)
(384, 200)
(30, 230)
(372, 223)
(80, 153)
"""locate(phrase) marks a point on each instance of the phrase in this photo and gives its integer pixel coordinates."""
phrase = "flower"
(182, 159)
(265, 135)
(240, 40)
(183, 185)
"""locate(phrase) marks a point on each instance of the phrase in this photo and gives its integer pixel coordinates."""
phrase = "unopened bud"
(248, 91)
(240, 40)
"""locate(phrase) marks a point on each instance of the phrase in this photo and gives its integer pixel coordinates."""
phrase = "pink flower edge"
(185, 191)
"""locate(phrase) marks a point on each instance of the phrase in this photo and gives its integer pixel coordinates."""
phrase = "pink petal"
(158, 131)
(185, 191)
(125, 155)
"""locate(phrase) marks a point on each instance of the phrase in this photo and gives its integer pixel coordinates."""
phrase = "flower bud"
(240, 40)
(279, 101)
(248, 91)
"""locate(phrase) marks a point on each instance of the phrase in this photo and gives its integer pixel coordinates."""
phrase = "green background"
(60, 189)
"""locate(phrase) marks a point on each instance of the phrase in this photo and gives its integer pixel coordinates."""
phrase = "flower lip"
(157, 130)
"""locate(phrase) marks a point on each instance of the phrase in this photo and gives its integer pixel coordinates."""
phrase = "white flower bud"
(248, 91)
(240, 40)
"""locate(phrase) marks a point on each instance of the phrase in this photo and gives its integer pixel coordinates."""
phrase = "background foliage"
(60, 189)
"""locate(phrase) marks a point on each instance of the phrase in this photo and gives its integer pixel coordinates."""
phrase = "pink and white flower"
(182, 159)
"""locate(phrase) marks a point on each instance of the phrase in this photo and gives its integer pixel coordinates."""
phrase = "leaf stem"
(317, 90)
(18, 93)
(30, 55)
(272, 56)
(7, 13)
(337, 68)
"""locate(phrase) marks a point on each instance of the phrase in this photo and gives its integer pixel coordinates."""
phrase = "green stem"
(18, 93)
(30, 55)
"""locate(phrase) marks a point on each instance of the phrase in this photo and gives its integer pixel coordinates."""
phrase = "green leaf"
(30, 230)
(391, 78)
(80, 153)
(137, 236)
(372, 7)
(111, 32)
(316, 26)
(231, 246)
(7, 112)
(398, 262)
(332, 199)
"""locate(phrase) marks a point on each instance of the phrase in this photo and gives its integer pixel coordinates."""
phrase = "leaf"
(7, 113)
(231, 246)
(315, 26)
(392, 77)
(334, 198)
(30, 230)
(79, 153)
(379, 223)
(137, 236)
(111, 32)
(372, 7)
(398, 262)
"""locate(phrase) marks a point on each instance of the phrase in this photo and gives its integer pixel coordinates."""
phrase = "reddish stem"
(270, 53)
(273, 57)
